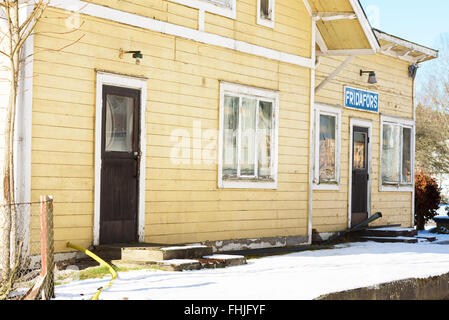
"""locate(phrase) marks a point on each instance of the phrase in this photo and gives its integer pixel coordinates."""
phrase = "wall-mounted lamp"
(412, 71)
(371, 78)
(136, 55)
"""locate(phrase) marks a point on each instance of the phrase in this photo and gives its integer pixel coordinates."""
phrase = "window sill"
(247, 184)
(265, 22)
(209, 7)
(396, 188)
(326, 187)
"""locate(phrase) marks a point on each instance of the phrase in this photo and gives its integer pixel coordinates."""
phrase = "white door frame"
(364, 123)
(131, 83)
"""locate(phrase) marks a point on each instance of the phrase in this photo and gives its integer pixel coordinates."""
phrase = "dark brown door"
(360, 175)
(120, 163)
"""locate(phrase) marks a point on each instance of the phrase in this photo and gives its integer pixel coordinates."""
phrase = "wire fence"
(27, 250)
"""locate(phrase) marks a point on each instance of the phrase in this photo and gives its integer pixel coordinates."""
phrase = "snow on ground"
(295, 276)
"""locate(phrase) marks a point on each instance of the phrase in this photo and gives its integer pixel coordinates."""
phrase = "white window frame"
(402, 123)
(321, 109)
(250, 92)
(264, 21)
(210, 6)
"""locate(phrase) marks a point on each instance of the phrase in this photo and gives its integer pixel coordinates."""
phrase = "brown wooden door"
(360, 175)
(120, 165)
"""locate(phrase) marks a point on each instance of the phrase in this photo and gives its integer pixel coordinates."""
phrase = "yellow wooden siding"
(292, 30)
(183, 203)
(330, 208)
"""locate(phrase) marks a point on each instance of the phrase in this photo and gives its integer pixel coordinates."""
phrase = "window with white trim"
(248, 137)
(265, 13)
(397, 153)
(327, 147)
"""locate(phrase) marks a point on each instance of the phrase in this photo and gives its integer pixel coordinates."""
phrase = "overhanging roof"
(343, 27)
(404, 49)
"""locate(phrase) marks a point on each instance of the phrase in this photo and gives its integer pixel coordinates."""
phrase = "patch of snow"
(393, 229)
(293, 276)
(396, 237)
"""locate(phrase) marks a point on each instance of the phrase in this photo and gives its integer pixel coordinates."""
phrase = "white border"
(125, 82)
(403, 122)
(266, 22)
(232, 88)
(364, 123)
(204, 5)
(335, 112)
(135, 20)
(362, 110)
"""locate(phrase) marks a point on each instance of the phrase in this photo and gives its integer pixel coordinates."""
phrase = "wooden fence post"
(47, 247)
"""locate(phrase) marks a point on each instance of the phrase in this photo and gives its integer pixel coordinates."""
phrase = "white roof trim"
(413, 47)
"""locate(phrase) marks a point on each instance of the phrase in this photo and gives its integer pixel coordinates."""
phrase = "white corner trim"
(135, 20)
(364, 123)
(273, 96)
(208, 6)
(104, 78)
(269, 23)
(311, 128)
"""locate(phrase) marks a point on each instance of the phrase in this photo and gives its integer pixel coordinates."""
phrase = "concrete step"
(389, 232)
(206, 262)
(389, 239)
(428, 238)
(166, 265)
(148, 254)
(222, 260)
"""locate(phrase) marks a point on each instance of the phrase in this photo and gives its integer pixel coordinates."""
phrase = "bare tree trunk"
(9, 236)
(15, 61)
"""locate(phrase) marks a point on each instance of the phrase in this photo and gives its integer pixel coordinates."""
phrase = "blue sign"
(361, 99)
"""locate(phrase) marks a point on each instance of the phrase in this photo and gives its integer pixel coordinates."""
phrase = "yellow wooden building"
(235, 123)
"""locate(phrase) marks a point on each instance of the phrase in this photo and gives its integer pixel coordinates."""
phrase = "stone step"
(389, 239)
(428, 238)
(166, 265)
(206, 262)
(389, 232)
(148, 254)
(225, 260)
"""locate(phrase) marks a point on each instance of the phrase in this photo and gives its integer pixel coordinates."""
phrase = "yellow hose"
(99, 260)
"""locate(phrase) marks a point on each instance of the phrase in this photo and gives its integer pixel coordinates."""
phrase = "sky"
(420, 21)
(425, 22)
